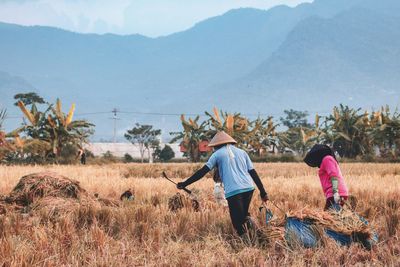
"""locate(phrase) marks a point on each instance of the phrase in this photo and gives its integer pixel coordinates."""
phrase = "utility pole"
(115, 118)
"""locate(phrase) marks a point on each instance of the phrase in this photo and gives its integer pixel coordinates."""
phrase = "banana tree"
(234, 124)
(53, 128)
(385, 131)
(64, 130)
(302, 138)
(193, 133)
(349, 132)
(263, 135)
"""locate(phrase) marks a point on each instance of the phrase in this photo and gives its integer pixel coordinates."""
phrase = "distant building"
(120, 149)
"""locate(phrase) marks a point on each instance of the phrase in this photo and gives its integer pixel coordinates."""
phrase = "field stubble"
(144, 232)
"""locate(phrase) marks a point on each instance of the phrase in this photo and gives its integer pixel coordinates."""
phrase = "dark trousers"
(239, 210)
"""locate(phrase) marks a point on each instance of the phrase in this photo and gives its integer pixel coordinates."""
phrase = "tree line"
(351, 132)
(47, 134)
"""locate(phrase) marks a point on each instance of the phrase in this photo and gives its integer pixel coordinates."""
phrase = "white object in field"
(219, 194)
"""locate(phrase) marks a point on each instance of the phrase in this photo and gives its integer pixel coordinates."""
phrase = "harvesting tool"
(268, 213)
(184, 189)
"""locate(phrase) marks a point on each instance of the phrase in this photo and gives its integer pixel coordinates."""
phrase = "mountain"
(10, 84)
(245, 60)
(352, 58)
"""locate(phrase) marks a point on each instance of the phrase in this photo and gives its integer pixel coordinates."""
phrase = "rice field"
(144, 232)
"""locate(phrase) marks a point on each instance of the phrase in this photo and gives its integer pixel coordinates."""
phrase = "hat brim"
(222, 143)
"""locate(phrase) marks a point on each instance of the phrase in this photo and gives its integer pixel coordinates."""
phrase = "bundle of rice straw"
(51, 194)
(175, 202)
(55, 207)
(344, 221)
(178, 201)
(45, 184)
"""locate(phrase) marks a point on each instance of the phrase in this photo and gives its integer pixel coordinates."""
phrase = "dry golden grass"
(144, 232)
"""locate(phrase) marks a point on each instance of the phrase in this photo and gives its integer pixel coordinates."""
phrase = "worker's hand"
(180, 185)
(336, 197)
(264, 197)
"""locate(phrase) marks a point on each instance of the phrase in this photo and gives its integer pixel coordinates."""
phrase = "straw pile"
(46, 184)
(178, 201)
(175, 202)
(345, 221)
(55, 207)
(273, 233)
(51, 194)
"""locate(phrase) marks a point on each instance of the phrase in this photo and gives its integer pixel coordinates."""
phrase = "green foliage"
(128, 158)
(295, 119)
(69, 154)
(47, 132)
(166, 154)
(348, 132)
(352, 133)
(28, 99)
(145, 137)
(193, 133)
(108, 155)
(385, 132)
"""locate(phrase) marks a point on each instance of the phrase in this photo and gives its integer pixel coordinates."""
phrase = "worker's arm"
(260, 186)
(335, 184)
(194, 178)
(335, 189)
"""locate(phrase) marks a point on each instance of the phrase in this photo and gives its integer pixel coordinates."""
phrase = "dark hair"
(317, 153)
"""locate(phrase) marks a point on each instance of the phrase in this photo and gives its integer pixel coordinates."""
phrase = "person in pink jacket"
(332, 181)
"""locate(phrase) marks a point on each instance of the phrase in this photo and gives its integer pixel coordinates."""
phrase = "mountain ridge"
(228, 61)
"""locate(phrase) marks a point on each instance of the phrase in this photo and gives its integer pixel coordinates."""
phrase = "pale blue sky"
(147, 17)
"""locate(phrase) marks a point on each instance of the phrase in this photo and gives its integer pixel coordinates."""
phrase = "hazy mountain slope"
(352, 58)
(10, 84)
(216, 50)
(283, 53)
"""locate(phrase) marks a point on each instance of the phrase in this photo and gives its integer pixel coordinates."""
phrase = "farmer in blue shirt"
(237, 174)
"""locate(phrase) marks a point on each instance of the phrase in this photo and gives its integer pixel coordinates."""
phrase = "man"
(237, 174)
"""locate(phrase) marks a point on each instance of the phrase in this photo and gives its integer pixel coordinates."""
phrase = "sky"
(147, 17)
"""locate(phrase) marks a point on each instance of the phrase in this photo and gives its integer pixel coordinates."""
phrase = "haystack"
(51, 194)
(45, 184)
(55, 207)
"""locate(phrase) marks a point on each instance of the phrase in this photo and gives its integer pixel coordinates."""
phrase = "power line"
(115, 111)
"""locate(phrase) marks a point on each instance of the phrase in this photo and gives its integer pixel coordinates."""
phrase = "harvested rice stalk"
(175, 202)
(345, 221)
(39, 185)
(178, 201)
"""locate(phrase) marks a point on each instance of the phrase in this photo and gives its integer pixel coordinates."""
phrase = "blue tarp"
(303, 232)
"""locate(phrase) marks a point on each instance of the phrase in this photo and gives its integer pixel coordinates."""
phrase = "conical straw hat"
(221, 138)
